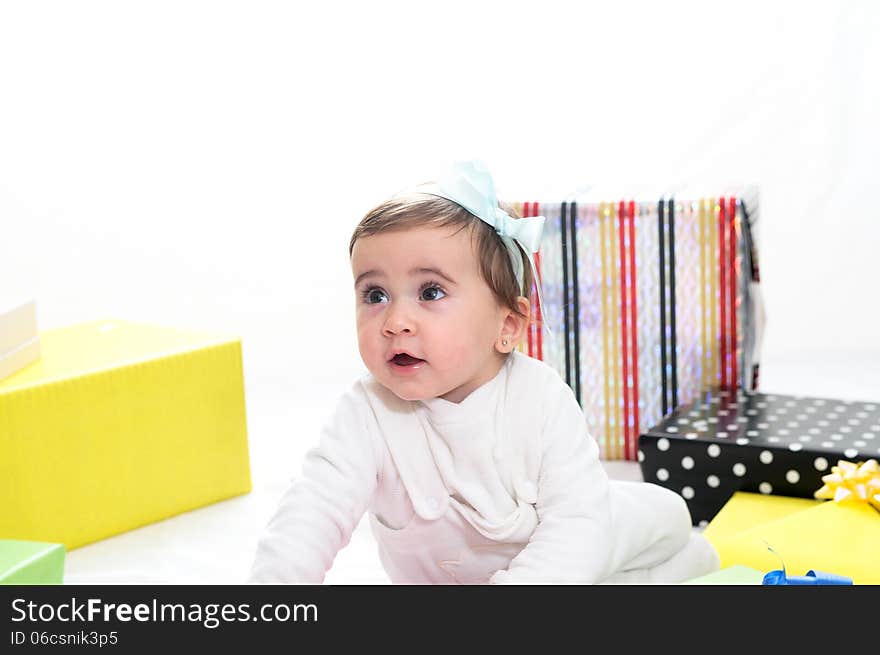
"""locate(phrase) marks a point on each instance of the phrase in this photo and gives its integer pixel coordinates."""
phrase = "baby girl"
(472, 460)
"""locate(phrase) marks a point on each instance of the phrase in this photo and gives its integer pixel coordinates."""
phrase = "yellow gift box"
(841, 538)
(119, 425)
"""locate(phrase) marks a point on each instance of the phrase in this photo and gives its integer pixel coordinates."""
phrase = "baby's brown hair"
(424, 210)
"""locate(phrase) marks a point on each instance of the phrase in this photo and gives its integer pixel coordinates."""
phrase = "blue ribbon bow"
(812, 577)
(469, 184)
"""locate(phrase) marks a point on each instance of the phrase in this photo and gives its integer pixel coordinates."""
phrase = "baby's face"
(427, 322)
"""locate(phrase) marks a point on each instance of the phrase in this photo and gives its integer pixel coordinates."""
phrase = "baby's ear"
(513, 329)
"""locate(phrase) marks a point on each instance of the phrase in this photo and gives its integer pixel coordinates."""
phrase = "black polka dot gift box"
(756, 442)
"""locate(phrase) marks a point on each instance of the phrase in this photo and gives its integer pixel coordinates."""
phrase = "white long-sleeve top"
(505, 486)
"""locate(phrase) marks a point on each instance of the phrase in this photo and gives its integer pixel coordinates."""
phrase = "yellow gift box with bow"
(839, 536)
(118, 425)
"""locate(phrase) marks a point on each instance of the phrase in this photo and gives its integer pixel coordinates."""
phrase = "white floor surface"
(215, 544)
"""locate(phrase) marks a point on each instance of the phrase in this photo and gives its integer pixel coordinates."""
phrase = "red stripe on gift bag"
(722, 289)
(634, 348)
(621, 215)
(732, 249)
(539, 327)
(530, 340)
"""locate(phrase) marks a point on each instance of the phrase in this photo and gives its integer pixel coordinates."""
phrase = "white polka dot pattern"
(757, 443)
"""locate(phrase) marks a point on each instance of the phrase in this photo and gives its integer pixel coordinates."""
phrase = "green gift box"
(736, 574)
(31, 562)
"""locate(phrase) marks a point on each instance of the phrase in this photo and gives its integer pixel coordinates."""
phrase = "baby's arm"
(572, 542)
(322, 507)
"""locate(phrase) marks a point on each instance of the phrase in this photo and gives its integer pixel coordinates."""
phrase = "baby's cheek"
(367, 321)
(457, 354)
(367, 345)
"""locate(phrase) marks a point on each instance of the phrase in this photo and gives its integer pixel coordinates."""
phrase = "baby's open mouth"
(402, 359)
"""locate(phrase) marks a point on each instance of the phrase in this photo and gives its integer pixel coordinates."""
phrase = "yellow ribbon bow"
(849, 481)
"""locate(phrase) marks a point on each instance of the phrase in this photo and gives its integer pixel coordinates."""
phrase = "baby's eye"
(432, 292)
(373, 296)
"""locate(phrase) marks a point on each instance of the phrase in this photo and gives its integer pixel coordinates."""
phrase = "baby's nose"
(398, 321)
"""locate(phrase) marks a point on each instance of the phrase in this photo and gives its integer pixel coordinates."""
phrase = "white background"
(202, 164)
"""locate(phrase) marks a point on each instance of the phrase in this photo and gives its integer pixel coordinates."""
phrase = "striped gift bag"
(648, 303)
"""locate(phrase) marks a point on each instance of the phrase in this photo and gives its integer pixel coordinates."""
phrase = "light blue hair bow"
(469, 184)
